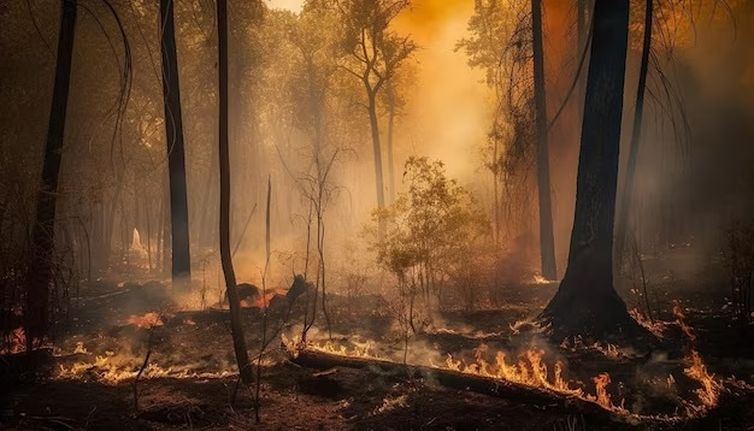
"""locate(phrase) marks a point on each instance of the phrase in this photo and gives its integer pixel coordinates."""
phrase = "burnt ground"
(86, 383)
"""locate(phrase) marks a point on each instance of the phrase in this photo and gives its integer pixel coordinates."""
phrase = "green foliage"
(430, 229)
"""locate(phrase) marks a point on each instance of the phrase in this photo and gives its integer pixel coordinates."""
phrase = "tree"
(586, 301)
(429, 230)
(546, 239)
(181, 264)
(43, 230)
(621, 226)
(375, 53)
(237, 332)
(500, 44)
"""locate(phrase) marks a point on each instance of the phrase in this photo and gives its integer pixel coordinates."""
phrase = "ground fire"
(377, 215)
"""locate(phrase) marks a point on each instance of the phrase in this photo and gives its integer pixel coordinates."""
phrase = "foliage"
(430, 230)
(499, 43)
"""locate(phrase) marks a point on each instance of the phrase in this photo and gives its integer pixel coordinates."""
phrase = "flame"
(531, 370)
(538, 279)
(148, 320)
(709, 392)
(681, 322)
(80, 349)
(112, 369)
(16, 342)
(657, 328)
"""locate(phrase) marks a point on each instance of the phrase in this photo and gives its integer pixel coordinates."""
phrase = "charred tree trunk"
(633, 150)
(181, 262)
(586, 302)
(43, 231)
(546, 238)
(237, 332)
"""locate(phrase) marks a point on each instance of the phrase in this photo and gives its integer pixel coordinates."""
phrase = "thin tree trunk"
(633, 150)
(236, 325)
(546, 237)
(374, 123)
(181, 262)
(581, 11)
(43, 231)
(586, 302)
(390, 158)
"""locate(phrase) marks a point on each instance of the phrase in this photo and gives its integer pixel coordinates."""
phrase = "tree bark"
(43, 230)
(546, 237)
(586, 301)
(181, 262)
(375, 128)
(633, 150)
(390, 132)
(236, 325)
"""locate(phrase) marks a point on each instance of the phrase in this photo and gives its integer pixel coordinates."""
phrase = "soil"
(194, 386)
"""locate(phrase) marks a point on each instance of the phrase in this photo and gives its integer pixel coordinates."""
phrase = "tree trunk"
(181, 262)
(633, 150)
(390, 158)
(236, 326)
(586, 302)
(374, 123)
(43, 231)
(546, 240)
(581, 12)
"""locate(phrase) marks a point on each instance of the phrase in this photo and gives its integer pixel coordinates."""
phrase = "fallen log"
(453, 380)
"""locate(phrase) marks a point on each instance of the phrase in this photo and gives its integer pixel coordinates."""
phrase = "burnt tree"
(586, 301)
(181, 262)
(236, 325)
(546, 237)
(621, 227)
(43, 230)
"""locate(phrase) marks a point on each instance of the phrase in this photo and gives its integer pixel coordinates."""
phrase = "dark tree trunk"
(43, 230)
(546, 239)
(621, 226)
(181, 266)
(586, 302)
(236, 326)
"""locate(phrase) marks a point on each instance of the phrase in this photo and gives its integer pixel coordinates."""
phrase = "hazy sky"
(446, 92)
(294, 5)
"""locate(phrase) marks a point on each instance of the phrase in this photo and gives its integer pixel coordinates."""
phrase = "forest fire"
(377, 214)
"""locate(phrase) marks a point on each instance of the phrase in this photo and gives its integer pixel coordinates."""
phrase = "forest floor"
(87, 381)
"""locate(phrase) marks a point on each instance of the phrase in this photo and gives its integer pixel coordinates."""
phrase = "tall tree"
(236, 325)
(181, 266)
(621, 227)
(586, 302)
(43, 231)
(376, 54)
(546, 238)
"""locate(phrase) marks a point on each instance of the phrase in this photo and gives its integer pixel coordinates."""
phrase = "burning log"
(450, 379)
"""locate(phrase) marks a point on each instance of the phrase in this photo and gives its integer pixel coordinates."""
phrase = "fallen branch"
(451, 379)
(143, 367)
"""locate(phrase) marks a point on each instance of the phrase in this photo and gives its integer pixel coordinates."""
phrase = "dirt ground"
(86, 381)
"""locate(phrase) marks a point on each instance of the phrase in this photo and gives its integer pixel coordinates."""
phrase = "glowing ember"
(16, 342)
(80, 349)
(657, 328)
(149, 320)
